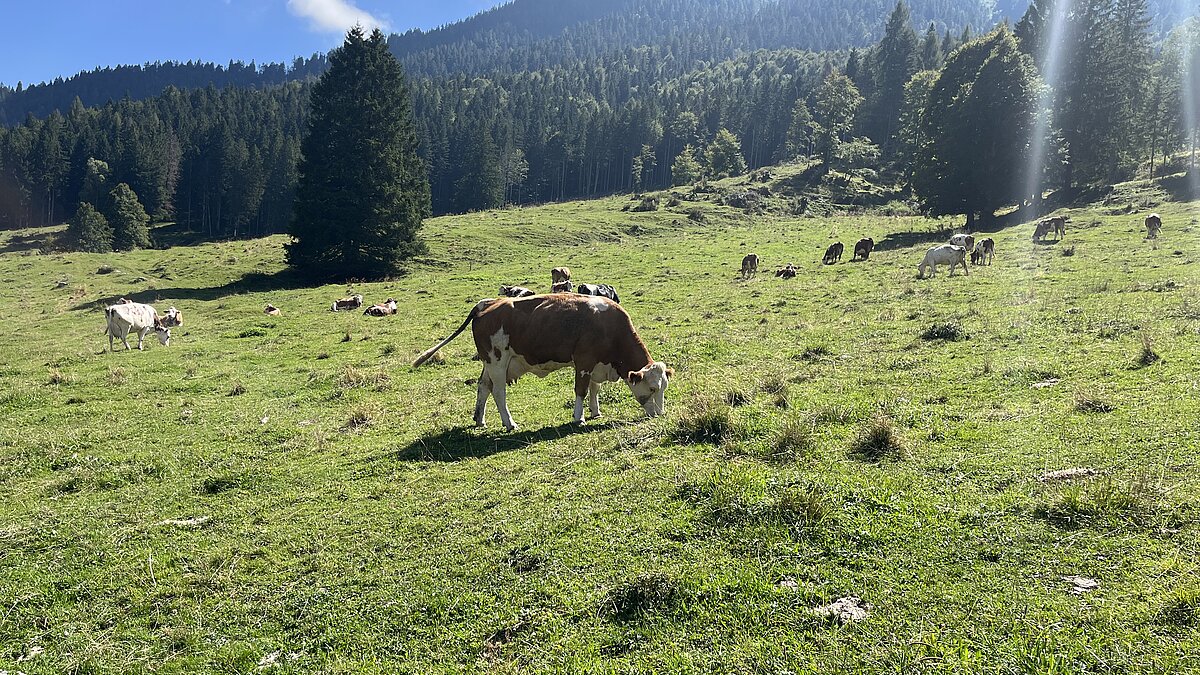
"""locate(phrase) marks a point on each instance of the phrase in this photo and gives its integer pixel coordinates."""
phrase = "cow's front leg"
(125, 339)
(481, 396)
(142, 337)
(582, 379)
(499, 376)
(594, 400)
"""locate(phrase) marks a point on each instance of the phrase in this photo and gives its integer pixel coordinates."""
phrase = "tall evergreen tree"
(896, 59)
(89, 231)
(931, 50)
(975, 134)
(363, 191)
(482, 183)
(131, 225)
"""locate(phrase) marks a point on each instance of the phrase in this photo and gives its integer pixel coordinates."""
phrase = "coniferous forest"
(541, 101)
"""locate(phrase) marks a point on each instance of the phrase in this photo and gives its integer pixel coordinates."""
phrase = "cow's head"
(649, 387)
(163, 333)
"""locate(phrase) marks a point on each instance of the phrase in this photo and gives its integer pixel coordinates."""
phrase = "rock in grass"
(845, 610)
(188, 523)
(1081, 585)
(1067, 474)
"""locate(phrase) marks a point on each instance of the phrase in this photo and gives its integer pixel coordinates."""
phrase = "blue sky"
(43, 39)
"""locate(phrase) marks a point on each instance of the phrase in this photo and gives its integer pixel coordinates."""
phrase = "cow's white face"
(164, 335)
(649, 387)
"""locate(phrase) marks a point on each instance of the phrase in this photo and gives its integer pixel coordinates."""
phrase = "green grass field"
(286, 494)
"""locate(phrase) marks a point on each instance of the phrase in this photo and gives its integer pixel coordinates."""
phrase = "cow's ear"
(670, 372)
(635, 377)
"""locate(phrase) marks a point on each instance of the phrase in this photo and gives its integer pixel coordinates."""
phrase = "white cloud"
(333, 16)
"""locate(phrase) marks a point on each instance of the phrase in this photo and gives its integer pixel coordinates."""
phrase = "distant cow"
(345, 304)
(173, 318)
(862, 250)
(564, 286)
(515, 291)
(964, 240)
(1057, 225)
(1153, 225)
(386, 309)
(122, 319)
(945, 254)
(272, 310)
(594, 336)
(601, 290)
(986, 250)
(560, 274)
(749, 265)
(788, 272)
(833, 253)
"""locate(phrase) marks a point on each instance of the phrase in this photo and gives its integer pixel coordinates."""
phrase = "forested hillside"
(581, 110)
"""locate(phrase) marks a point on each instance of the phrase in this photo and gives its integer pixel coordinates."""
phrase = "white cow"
(964, 240)
(945, 254)
(134, 317)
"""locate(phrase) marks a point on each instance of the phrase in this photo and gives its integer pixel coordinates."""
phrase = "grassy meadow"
(285, 494)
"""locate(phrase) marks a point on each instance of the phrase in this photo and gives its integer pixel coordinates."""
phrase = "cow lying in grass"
(124, 318)
(945, 254)
(345, 304)
(516, 292)
(541, 334)
(788, 272)
(601, 290)
(386, 309)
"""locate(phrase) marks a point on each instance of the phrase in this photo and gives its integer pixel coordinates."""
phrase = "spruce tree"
(89, 231)
(686, 170)
(482, 185)
(362, 190)
(931, 50)
(129, 220)
(896, 60)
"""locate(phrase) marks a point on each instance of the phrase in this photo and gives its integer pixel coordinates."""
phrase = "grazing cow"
(560, 274)
(862, 250)
(564, 286)
(515, 336)
(976, 257)
(944, 254)
(353, 302)
(1153, 225)
(601, 290)
(986, 250)
(515, 292)
(173, 318)
(964, 240)
(386, 309)
(749, 265)
(788, 272)
(833, 253)
(123, 318)
(1057, 225)
(272, 310)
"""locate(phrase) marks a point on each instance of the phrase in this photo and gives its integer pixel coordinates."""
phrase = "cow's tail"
(470, 317)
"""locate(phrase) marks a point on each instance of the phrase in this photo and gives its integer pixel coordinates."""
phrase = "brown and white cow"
(124, 318)
(515, 292)
(964, 240)
(386, 309)
(539, 335)
(1153, 225)
(345, 304)
(749, 266)
(173, 318)
(560, 274)
(1056, 225)
(272, 310)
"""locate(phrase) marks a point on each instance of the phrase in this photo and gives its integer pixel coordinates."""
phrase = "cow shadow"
(255, 282)
(467, 442)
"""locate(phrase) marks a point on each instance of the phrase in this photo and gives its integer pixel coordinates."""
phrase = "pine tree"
(643, 167)
(482, 185)
(89, 231)
(362, 191)
(724, 155)
(129, 220)
(800, 132)
(896, 60)
(931, 50)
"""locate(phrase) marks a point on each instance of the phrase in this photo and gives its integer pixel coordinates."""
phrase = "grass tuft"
(1088, 403)
(1182, 608)
(57, 377)
(704, 421)
(360, 417)
(648, 594)
(878, 440)
(793, 440)
(1148, 356)
(117, 376)
(237, 389)
(737, 398)
(1109, 502)
(948, 331)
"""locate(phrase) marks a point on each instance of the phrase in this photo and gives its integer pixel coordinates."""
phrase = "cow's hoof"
(594, 417)
(479, 424)
(578, 423)
(512, 428)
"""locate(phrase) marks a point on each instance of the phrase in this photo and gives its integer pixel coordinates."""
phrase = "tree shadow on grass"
(452, 445)
(255, 282)
(26, 242)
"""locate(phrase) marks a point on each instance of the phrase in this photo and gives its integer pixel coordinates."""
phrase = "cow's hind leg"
(484, 390)
(594, 400)
(498, 372)
(582, 380)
